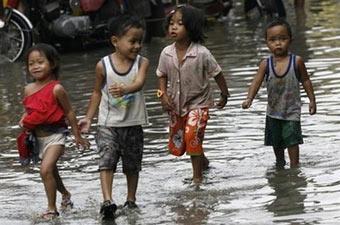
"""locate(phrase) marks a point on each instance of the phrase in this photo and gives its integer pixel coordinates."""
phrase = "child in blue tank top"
(283, 73)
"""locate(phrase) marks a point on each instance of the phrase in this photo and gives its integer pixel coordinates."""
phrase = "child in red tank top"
(47, 106)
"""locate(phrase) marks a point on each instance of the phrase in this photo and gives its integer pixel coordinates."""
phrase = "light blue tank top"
(128, 110)
(284, 101)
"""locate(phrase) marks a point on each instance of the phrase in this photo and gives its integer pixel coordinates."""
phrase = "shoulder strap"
(267, 68)
(139, 58)
(104, 67)
(296, 69)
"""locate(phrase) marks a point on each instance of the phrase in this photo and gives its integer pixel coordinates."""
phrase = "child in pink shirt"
(186, 66)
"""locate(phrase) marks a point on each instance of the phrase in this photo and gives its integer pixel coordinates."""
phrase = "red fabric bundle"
(23, 149)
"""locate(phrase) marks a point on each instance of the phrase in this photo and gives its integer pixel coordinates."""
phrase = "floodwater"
(242, 186)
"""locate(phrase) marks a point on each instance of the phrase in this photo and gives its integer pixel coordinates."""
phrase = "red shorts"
(187, 132)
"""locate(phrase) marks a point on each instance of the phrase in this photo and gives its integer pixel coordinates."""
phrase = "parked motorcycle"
(211, 8)
(15, 32)
(65, 23)
(272, 8)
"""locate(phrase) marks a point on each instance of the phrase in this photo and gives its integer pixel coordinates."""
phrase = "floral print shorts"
(187, 132)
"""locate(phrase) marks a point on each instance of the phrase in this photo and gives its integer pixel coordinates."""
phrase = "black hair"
(51, 55)
(278, 22)
(119, 25)
(193, 21)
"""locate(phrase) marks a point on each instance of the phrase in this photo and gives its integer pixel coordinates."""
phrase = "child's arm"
(120, 90)
(21, 122)
(85, 123)
(222, 84)
(62, 97)
(307, 85)
(255, 85)
(166, 101)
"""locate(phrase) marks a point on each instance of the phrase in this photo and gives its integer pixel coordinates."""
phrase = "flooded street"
(241, 186)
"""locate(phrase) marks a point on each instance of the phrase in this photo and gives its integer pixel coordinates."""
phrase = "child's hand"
(167, 103)
(117, 90)
(312, 108)
(84, 125)
(21, 123)
(247, 103)
(82, 142)
(221, 103)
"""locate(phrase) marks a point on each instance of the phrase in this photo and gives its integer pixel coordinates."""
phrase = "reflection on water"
(241, 187)
(288, 186)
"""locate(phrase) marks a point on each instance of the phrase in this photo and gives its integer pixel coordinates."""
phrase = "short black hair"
(50, 53)
(278, 22)
(193, 21)
(119, 25)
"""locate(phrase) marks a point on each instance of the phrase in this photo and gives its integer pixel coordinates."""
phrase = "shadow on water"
(289, 186)
(190, 208)
(241, 187)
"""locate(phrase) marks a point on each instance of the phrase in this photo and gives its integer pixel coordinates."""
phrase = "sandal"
(66, 201)
(50, 214)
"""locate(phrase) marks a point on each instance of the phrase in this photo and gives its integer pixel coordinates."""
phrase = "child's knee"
(46, 171)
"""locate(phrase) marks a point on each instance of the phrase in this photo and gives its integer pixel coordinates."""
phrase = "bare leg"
(106, 179)
(205, 162)
(108, 208)
(132, 183)
(280, 157)
(293, 152)
(196, 162)
(299, 4)
(66, 195)
(47, 171)
(60, 185)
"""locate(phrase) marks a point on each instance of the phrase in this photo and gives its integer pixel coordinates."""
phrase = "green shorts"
(282, 133)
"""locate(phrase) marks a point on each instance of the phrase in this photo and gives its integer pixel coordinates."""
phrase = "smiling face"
(176, 29)
(38, 66)
(278, 40)
(130, 43)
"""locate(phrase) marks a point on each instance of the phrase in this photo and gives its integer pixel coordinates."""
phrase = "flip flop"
(49, 214)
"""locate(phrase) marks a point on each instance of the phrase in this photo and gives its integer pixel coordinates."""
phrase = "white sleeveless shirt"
(128, 110)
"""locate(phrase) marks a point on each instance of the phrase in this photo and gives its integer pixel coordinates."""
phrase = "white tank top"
(128, 110)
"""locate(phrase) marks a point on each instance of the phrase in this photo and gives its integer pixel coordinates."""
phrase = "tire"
(155, 23)
(280, 8)
(16, 36)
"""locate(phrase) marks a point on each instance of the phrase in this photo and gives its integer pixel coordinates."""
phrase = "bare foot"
(197, 180)
(66, 201)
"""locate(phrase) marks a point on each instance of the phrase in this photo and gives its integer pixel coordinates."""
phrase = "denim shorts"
(120, 142)
(282, 133)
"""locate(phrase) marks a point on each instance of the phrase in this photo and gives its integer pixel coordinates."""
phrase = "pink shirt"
(189, 86)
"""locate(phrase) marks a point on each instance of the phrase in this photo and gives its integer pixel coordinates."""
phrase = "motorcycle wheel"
(16, 37)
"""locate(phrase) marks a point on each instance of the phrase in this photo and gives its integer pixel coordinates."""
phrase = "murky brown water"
(241, 187)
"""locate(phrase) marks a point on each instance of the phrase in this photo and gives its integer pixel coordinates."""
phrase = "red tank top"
(42, 108)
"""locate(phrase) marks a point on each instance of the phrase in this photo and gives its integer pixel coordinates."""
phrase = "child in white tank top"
(118, 94)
